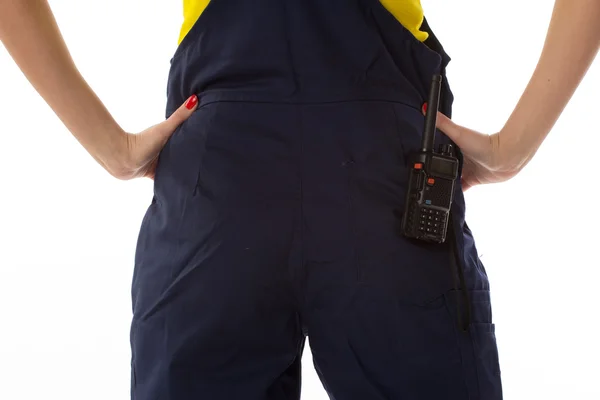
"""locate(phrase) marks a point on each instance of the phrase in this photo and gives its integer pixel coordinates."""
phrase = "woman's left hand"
(487, 159)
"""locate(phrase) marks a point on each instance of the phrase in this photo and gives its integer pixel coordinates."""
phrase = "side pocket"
(203, 133)
(160, 156)
(485, 348)
(484, 340)
(180, 159)
(480, 361)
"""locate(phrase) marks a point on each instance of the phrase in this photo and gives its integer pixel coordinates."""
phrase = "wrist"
(115, 156)
(516, 148)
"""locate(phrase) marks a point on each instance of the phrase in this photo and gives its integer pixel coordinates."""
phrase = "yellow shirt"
(408, 12)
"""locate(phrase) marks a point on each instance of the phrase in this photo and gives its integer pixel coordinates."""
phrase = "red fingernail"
(191, 102)
(424, 108)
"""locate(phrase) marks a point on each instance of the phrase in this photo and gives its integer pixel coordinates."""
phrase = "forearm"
(30, 34)
(571, 45)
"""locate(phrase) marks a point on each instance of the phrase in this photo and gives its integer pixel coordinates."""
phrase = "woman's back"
(278, 191)
(407, 12)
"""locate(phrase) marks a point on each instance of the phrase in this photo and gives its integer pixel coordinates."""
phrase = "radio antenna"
(431, 114)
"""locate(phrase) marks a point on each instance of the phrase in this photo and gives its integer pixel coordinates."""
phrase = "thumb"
(457, 133)
(468, 140)
(181, 114)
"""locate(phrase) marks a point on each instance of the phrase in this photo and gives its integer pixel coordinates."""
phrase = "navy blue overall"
(275, 217)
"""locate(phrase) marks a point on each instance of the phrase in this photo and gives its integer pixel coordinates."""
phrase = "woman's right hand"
(140, 151)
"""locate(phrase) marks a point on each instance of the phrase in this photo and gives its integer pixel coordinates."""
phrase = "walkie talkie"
(432, 177)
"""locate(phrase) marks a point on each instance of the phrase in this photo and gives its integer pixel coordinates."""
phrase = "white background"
(68, 230)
